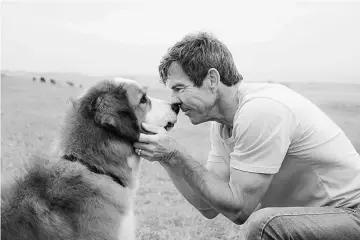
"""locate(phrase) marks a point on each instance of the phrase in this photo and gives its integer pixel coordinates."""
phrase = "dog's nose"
(175, 108)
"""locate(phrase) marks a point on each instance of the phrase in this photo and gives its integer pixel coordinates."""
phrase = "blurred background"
(270, 40)
(52, 50)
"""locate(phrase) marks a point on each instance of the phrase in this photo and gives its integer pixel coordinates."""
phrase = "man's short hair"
(196, 54)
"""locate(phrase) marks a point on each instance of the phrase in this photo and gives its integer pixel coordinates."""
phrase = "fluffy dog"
(86, 193)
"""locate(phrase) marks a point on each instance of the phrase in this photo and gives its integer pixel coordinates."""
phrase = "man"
(277, 163)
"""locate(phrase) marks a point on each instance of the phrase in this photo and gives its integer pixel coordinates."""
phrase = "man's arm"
(215, 164)
(236, 198)
(235, 194)
(262, 138)
(191, 196)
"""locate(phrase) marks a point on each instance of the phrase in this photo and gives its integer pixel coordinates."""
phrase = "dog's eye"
(143, 99)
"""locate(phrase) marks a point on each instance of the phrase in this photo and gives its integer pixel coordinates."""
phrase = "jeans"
(300, 223)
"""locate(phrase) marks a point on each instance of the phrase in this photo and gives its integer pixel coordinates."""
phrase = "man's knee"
(262, 224)
(301, 223)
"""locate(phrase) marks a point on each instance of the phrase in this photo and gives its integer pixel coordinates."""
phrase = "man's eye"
(178, 89)
(143, 99)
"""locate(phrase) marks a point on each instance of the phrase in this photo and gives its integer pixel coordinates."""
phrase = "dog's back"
(63, 200)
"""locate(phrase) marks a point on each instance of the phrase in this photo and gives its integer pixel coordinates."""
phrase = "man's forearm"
(191, 196)
(216, 191)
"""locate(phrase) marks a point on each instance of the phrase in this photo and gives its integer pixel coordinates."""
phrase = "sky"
(270, 40)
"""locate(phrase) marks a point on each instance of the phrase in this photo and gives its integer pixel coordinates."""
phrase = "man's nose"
(175, 99)
(175, 107)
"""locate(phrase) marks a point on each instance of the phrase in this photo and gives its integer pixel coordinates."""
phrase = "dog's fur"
(64, 199)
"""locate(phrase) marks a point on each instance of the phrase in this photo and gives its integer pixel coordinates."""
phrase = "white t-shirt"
(278, 131)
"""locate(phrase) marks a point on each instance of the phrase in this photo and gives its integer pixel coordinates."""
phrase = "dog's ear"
(123, 124)
(116, 117)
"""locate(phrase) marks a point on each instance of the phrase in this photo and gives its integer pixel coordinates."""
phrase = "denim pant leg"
(302, 223)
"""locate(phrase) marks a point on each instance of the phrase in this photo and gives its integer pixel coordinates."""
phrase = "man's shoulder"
(265, 97)
(261, 100)
(274, 92)
(262, 110)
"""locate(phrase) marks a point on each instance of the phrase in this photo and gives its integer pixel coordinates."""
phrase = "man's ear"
(213, 79)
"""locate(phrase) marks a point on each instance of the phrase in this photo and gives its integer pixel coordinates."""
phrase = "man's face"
(195, 102)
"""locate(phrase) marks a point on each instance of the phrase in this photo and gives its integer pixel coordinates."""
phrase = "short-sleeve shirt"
(277, 131)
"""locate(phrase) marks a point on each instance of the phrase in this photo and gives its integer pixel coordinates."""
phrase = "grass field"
(30, 117)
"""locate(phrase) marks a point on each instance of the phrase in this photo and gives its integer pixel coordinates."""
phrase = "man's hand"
(158, 147)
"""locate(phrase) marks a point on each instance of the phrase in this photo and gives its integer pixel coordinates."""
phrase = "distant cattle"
(70, 83)
(42, 79)
(52, 81)
(36, 78)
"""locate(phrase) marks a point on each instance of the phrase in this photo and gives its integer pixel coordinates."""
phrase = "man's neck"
(228, 104)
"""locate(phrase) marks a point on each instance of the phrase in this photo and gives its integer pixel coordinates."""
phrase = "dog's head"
(121, 105)
(101, 125)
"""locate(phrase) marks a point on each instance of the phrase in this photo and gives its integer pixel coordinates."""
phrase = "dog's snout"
(175, 108)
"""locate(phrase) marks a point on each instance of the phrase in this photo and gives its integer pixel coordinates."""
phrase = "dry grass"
(31, 113)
